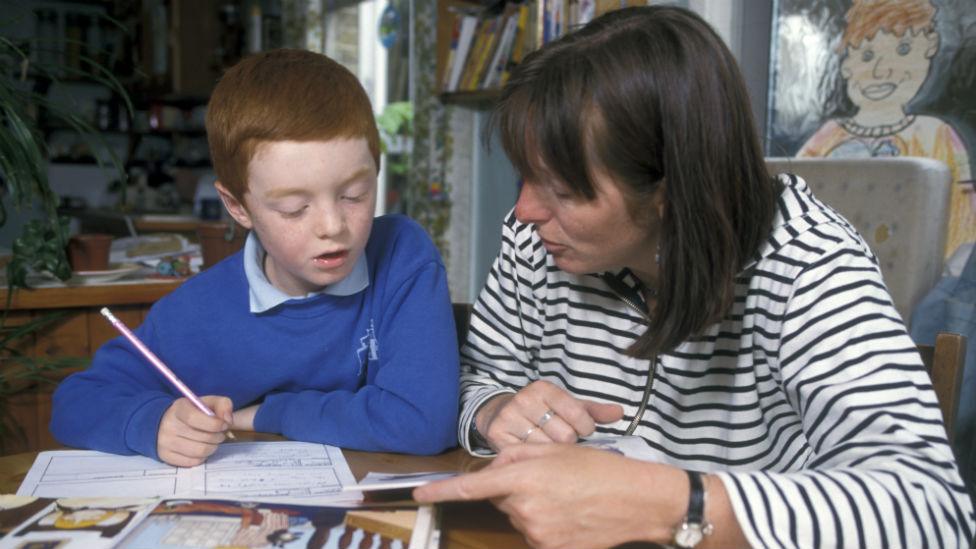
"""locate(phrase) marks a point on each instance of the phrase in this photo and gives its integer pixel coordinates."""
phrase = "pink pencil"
(152, 358)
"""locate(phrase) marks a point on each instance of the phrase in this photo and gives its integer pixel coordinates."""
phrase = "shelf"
(134, 292)
(471, 97)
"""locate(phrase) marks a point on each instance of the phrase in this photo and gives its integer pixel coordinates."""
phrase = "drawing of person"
(104, 518)
(887, 50)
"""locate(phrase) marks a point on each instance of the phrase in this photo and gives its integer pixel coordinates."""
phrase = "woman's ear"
(234, 207)
(660, 199)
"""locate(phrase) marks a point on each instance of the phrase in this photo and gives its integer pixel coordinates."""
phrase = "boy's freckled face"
(311, 205)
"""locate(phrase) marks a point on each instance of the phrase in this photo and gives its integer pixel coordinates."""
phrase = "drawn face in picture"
(886, 71)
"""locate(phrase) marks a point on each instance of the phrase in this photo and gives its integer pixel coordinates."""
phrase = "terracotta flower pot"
(89, 252)
(214, 245)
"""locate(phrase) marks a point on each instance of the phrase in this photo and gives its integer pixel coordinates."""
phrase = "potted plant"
(24, 186)
(23, 159)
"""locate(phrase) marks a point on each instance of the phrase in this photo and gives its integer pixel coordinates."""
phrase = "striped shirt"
(809, 399)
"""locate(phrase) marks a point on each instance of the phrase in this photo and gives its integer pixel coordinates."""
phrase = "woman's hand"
(188, 436)
(541, 412)
(569, 496)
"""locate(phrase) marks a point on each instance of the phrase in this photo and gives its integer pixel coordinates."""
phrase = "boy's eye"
(867, 55)
(354, 197)
(293, 213)
(904, 48)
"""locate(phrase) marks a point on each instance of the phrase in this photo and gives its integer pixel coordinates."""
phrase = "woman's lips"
(552, 247)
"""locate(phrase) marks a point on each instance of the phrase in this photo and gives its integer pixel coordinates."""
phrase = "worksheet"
(297, 472)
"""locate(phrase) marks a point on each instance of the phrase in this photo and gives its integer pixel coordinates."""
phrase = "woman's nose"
(531, 207)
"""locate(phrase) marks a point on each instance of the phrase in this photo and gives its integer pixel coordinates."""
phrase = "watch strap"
(696, 499)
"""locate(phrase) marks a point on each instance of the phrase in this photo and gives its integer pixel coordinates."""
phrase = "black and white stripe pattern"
(809, 398)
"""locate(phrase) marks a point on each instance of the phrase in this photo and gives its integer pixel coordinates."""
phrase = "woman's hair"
(283, 95)
(656, 97)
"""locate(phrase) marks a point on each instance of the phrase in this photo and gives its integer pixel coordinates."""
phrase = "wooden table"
(475, 525)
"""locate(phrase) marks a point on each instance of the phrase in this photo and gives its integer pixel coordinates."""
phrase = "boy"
(329, 326)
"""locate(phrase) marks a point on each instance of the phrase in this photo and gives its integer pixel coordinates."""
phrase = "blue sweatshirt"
(376, 370)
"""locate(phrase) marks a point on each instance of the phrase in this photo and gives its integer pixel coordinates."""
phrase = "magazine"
(137, 523)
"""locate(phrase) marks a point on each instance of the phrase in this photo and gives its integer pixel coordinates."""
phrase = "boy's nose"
(329, 224)
(531, 207)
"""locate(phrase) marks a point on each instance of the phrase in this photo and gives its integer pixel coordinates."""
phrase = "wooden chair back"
(945, 361)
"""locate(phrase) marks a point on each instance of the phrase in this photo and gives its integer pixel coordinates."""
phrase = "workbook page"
(269, 471)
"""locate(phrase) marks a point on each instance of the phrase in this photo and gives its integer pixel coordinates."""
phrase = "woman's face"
(589, 236)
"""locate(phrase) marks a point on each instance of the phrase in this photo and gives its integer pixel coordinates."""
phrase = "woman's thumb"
(604, 413)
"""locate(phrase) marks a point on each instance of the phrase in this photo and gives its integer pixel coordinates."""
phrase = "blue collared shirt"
(264, 296)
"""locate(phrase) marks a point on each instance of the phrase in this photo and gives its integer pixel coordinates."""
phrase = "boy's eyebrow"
(291, 191)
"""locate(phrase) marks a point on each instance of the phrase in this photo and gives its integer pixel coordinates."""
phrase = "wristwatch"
(693, 528)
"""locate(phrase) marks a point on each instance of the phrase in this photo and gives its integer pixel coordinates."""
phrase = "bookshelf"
(479, 43)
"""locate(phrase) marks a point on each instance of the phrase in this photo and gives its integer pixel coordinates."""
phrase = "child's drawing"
(890, 86)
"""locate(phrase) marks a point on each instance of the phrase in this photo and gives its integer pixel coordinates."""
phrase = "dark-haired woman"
(655, 280)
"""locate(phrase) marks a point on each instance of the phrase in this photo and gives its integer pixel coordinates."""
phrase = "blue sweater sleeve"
(116, 404)
(409, 402)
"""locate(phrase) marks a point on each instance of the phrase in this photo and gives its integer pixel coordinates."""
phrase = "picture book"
(130, 523)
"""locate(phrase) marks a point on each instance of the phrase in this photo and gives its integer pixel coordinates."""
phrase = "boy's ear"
(234, 206)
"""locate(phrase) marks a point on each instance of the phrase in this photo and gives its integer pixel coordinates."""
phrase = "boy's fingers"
(222, 407)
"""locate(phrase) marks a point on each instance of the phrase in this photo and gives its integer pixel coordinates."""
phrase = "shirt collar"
(265, 296)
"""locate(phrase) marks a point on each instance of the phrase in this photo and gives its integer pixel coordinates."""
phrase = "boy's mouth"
(332, 258)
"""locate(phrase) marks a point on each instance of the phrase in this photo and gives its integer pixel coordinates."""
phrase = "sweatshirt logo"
(369, 347)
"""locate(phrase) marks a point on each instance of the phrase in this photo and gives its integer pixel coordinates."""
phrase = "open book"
(133, 523)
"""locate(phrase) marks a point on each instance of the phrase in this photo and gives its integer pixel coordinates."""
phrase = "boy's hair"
(867, 17)
(283, 95)
(651, 94)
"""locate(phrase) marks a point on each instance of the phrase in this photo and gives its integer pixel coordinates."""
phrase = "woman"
(655, 280)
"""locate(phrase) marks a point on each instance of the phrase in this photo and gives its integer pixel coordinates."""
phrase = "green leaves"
(40, 247)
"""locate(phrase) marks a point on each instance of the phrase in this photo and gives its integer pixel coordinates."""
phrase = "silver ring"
(546, 417)
(527, 433)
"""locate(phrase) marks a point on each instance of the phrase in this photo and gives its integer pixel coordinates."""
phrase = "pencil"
(163, 369)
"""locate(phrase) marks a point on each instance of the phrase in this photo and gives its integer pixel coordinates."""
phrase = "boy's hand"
(188, 436)
(244, 418)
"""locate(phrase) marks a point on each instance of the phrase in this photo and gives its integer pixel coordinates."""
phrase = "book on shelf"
(503, 50)
(486, 46)
(490, 31)
(135, 523)
(466, 25)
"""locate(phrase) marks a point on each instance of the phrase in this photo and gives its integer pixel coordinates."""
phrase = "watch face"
(689, 535)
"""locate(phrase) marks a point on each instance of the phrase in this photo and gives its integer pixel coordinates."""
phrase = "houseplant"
(23, 158)
(24, 186)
